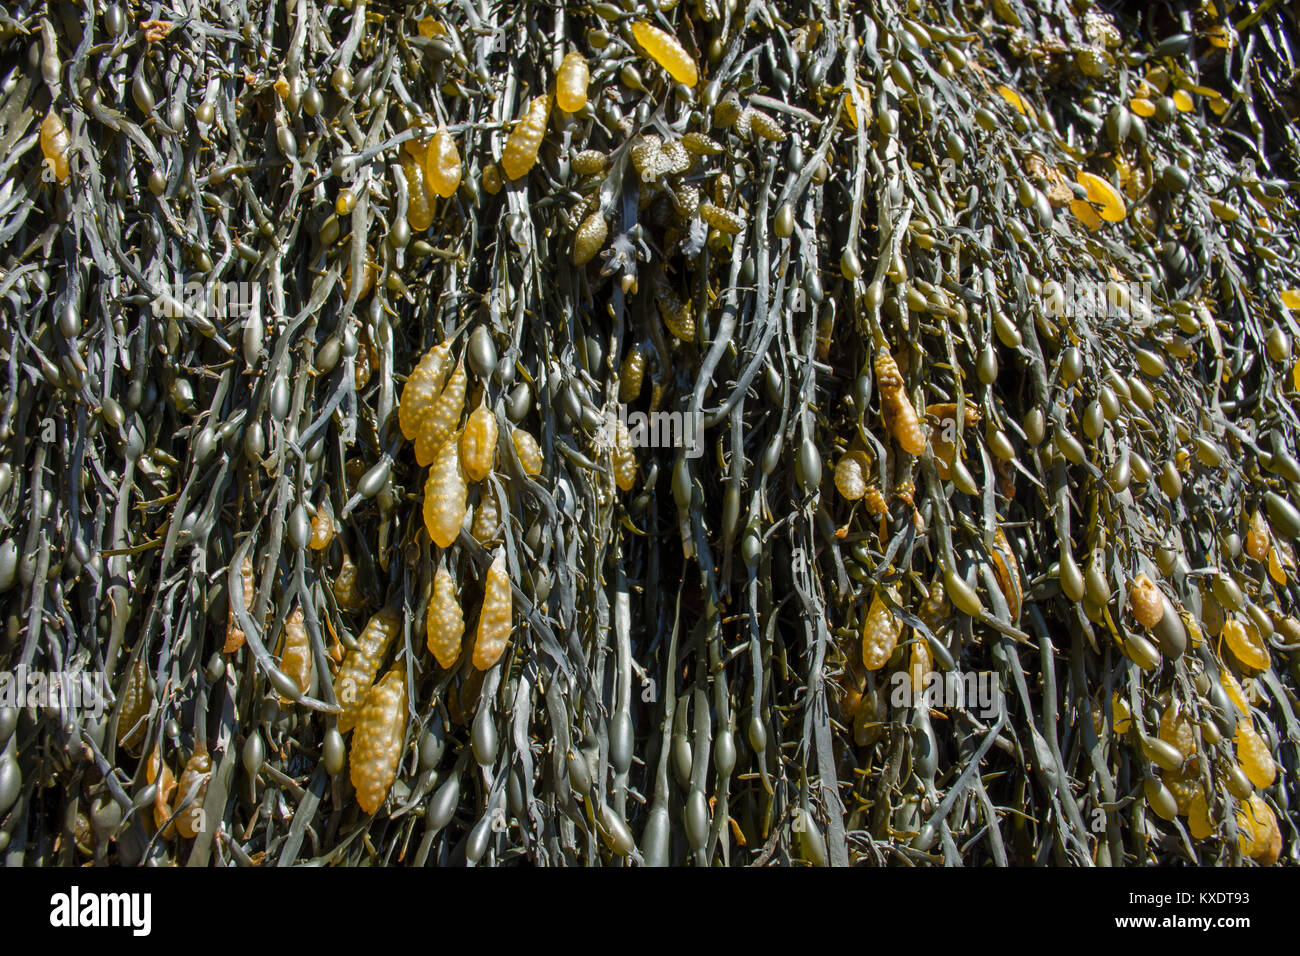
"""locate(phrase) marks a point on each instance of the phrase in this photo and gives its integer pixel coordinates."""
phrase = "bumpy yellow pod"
(571, 83)
(624, 458)
(445, 625)
(1257, 536)
(443, 417)
(701, 145)
(1212, 615)
(1102, 194)
(418, 145)
(1012, 97)
(161, 776)
(235, 634)
(1142, 106)
(1184, 786)
(1286, 627)
(363, 365)
(421, 391)
(590, 238)
(761, 125)
(359, 667)
(896, 408)
(645, 156)
(1007, 572)
(851, 475)
(494, 621)
(445, 493)
(367, 283)
(1233, 690)
(345, 585)
(935, 607)
(193, 786)
(419, 211)
(1085, 213)
(478, 443)
(529, 452)
(880, 633)
(666, 50)
(135, 705)
(1123, 714)
(1269, 844)
(1246, 644)
(1256, 824)
(1251, 826)
(442, 166)
(1198, 817)
(491, 179)
(674, 157)
(943, 442)
(920, 665)
(322, 529)
(520, 153)
(678, 316)
(1177, 730)
(295, 654)
(486, 523)
(1276, 570)
(54, 145)
(377, 743)
(1253, 755)
(874, 500)
(721, 219)
(631, 375)
(589, 162)
(1146, 602)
